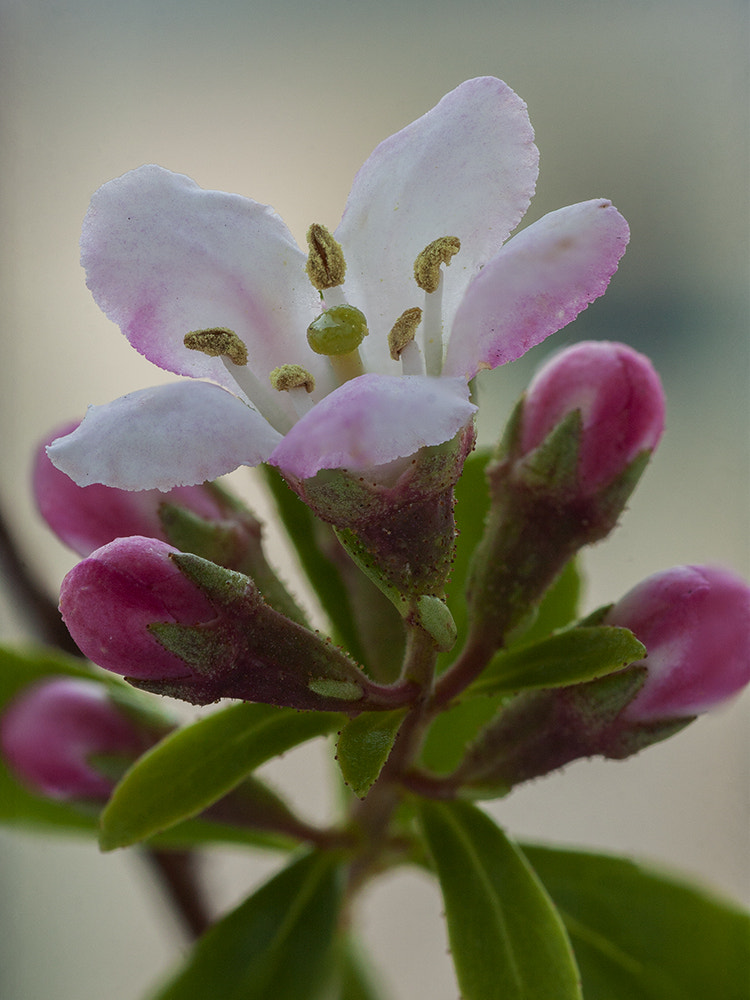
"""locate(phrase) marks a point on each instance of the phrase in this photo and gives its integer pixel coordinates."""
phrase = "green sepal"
(552, 466)
(570, 657)
(197, 765)
(223, 587)
(507, 940)
(641, 935)
(279, 943)
(364, 745)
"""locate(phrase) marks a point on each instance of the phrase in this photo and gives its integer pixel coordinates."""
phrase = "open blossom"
(419, 289)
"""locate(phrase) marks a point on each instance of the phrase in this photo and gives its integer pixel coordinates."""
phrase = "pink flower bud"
(109, 600)
(620, 399)
(49, 733)
(695, 623)
(87, 517)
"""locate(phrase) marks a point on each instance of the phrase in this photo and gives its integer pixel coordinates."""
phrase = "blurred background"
(640, 101)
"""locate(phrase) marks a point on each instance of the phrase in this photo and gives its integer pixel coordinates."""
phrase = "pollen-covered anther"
(325, 265)
(404, 331)
(216, 343)
(427, 264)
(287, 377)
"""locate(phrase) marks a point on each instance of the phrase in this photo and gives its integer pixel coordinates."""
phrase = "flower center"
(337, 333)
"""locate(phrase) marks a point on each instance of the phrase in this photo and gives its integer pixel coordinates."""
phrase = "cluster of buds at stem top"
(205, 520)
(178, 625)
(70, 738)
(571, 455)
(695, 624)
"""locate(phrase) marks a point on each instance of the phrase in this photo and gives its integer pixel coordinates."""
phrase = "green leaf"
(305, 531)
(507, 940)
(352, 977)
(277, 944)
(364, 745)
(569, 657)
(639, 935)
(453, 730)
(197, 765)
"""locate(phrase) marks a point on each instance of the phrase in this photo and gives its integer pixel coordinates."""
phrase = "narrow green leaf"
(507, 940)
(453, 730)
(639, 935)
(277, 944)
(197, 765)
(352, 979)
(569, 657)
(364, 746)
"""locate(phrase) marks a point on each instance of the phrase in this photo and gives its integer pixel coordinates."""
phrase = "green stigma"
(427, 264)
(216, 343)
(339, 330)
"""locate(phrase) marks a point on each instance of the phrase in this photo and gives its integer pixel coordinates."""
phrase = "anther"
(325, 266)
(216, 343)
(404, 331)
(427, 264)
(287, 377)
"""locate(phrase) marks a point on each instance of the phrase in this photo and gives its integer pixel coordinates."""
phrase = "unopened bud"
(620, 402)
(695, 623)
(178, 625)
(66, 738)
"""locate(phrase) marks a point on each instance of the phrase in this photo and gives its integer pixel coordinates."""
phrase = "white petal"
(468, 169)
(171, 435)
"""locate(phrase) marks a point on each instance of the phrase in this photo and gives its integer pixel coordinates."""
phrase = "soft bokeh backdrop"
(641, 101)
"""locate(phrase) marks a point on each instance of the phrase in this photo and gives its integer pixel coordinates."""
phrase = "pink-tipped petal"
(171, 435)
(372, 420)
(540, 281)
(467, 168)
(163, 257)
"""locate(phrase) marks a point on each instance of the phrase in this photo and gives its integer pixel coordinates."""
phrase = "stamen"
(325, 266)
(428, 276)
(298, 382)
(404, 331)
(217, 342)
(287, 377)
(427, 264)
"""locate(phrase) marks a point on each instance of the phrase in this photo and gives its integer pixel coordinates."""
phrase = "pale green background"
(642, 102)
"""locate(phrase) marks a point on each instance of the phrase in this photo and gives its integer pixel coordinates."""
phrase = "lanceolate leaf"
(197, 765)
(277, 945)
(507, 940)
(570, 657)
(638, 935)
(364, 745)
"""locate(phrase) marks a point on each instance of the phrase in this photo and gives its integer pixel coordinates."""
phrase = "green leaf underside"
(197, 765)
(639, 935)
(507, 940)
(364, 746)
(277, 945)
(570, 657)
(303, 528)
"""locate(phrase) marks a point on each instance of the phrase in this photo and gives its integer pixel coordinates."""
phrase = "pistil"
(337, 333)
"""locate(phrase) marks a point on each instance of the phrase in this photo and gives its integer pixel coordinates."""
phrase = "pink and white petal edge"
(372, 420)
(179, 434)
(537, 284)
